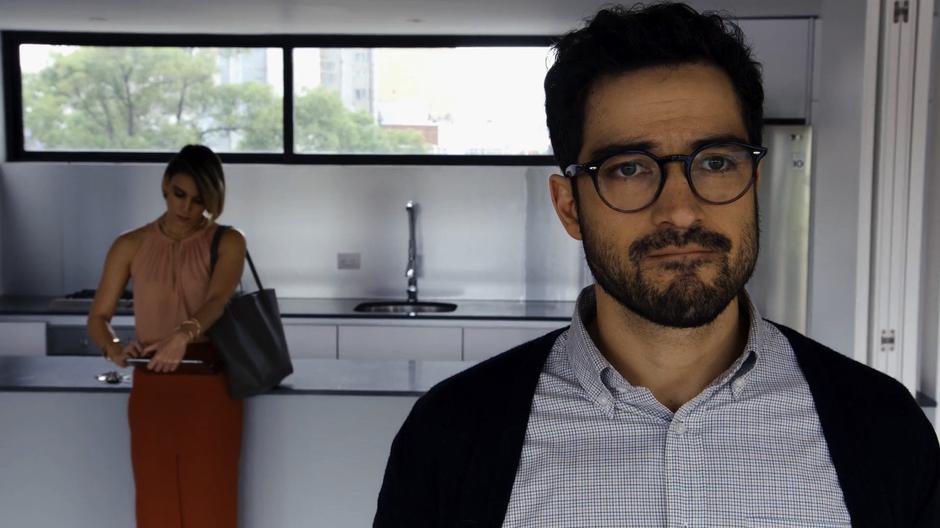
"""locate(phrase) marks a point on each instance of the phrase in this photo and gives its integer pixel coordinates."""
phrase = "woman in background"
(185, 429)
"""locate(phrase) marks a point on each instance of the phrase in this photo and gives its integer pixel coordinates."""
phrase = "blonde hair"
(205, 168)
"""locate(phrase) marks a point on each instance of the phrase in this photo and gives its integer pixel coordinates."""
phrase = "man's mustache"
(664, 238)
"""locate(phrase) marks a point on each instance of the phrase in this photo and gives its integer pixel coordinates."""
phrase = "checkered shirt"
(748, 451)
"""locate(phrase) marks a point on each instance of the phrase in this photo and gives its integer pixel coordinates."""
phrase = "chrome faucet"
(412, 273)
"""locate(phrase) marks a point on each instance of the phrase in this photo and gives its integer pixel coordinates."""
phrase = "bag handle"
(214, 254)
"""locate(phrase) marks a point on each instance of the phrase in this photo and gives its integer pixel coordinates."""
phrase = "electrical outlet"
(348, 261)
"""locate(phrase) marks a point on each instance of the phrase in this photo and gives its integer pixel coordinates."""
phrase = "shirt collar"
(586, 359)
(595, 374)
(741, 371)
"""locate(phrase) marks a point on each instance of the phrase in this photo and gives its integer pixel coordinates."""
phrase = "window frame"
(13, 97)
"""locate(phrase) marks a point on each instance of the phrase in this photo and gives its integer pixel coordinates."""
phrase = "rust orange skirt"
(185, 444)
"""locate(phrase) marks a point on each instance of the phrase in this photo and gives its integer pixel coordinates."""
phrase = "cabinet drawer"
(481, 343)
(22, 338)
(73, 340)
(311, 341)
(400, 342)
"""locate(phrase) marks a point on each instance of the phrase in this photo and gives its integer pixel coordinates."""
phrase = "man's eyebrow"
(647, 145)
(719, 138)
(616, 148)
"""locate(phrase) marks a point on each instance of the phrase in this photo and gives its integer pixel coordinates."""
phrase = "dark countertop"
(525, 310)
(331, 308)
(311, 376)
(43, 305)
(338, 377)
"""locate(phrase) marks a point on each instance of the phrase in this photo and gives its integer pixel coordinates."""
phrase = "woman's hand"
(167, 353)
(118, 354)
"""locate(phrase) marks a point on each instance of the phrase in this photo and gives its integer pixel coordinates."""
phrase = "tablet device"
(186, 366)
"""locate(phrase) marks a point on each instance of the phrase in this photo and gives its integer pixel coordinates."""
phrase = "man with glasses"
(669, 401)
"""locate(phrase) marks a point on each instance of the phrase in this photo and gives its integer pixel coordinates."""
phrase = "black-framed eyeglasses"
(632, 180)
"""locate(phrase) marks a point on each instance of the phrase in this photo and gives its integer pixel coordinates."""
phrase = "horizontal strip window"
(434, 100)
(298, 159)
(151, 99)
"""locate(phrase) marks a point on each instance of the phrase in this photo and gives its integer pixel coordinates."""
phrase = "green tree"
(117, 99)
(107, 98)
(323, 124)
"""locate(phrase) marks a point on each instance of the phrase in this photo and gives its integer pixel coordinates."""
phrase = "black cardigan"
(454, 460)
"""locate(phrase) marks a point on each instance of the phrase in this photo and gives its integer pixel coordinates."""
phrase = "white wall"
(443, 17)
(483, 232)
(837, 111)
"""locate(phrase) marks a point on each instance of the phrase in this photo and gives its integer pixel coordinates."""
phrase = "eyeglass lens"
(718, 174)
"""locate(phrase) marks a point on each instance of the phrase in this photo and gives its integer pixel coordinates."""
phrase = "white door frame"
(891, 196)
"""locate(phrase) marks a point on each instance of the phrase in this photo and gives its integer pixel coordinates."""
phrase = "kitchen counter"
(42, 305)
(311, 376)
(313, 449)
(466, 309)
(333, 308)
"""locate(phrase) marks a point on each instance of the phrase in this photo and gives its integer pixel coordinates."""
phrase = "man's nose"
(677, 205)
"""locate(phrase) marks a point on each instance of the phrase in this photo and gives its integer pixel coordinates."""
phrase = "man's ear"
(565, 206)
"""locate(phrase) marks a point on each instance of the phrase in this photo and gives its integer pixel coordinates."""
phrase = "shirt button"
(677, 427)
(603, 401)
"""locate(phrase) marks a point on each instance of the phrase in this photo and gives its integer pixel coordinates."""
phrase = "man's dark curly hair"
(620, 40)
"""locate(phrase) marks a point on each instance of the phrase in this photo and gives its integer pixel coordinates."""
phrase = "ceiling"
(480, 17)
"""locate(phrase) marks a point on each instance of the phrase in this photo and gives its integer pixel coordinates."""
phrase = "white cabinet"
(67, 335)
(308, 339)
(22, 338)
(42, 335)
(784, 47)
(483, 342)
(397, 338)
(400, 342)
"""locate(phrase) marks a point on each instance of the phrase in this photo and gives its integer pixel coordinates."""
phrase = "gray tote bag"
(249, 336)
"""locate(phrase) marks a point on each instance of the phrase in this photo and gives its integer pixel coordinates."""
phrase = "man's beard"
(686, 301)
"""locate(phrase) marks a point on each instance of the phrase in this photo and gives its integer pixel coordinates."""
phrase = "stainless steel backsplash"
(483, 232)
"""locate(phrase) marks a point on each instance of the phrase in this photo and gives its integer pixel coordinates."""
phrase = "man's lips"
(678, 253)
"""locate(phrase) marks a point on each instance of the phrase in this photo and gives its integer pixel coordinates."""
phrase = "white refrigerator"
(780, 281)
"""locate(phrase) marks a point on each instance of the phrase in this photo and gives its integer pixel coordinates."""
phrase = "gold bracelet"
(189, 334)
(190, 327)
(195, 322)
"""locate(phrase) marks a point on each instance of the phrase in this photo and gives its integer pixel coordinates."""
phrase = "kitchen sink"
(405, 307)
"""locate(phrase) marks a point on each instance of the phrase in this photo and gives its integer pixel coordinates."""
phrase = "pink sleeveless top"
(170, 279)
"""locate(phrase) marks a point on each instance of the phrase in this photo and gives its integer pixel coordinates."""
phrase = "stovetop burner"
(82, 299)
(90, 294)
